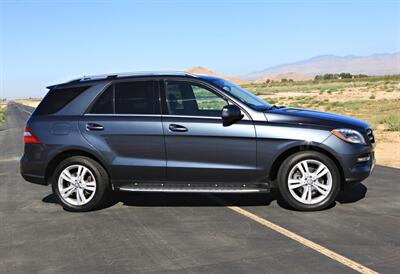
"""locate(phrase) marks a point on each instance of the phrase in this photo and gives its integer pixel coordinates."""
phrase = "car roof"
(128, 75)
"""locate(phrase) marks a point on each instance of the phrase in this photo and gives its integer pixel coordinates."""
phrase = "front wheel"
(80, 184)
(308, 181)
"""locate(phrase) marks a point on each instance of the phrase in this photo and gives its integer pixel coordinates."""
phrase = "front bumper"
(348, 155)
(361, 171)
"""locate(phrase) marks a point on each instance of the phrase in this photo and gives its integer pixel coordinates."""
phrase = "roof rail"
(130, 74)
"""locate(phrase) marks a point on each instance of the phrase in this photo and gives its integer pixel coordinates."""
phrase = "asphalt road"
(187, 233)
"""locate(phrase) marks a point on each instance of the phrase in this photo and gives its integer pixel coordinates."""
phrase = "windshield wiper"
(272, 107)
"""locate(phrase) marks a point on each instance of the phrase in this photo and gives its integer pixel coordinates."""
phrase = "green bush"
(2, 113)
(392, 122)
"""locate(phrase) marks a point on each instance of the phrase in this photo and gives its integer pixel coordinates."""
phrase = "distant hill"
(204, 71)
(376, 64)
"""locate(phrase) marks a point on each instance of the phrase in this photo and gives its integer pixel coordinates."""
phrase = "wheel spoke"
(309, 197)
(67, 176)
(67, 191)
(305, 192)
(305, 166)
(324, 187)
(78, 173)
(84, 171)
(90, 186)
(321, 171)
(80, 198)
(296, 183)
(320, 190)
(81, 172)
(300, 167)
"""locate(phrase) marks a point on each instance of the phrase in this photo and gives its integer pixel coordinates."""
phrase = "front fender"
(273, 140)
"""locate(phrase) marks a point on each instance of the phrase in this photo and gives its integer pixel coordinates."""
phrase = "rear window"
(56, 99)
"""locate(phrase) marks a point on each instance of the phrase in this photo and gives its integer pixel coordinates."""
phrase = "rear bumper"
(32, 171)
(35, 179)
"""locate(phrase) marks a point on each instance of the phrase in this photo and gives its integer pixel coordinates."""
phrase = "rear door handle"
(93, 126)
(178, 128)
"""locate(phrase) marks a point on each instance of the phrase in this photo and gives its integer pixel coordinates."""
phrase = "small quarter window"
(104, 104)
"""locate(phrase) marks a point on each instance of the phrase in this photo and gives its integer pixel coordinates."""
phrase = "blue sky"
(46, 42)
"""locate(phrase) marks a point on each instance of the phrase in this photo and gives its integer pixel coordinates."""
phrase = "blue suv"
(179, 132)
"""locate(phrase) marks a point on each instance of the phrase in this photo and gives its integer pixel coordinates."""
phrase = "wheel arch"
(59, 157)
(286, 153)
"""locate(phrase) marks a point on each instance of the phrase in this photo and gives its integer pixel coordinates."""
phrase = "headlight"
(349, 135)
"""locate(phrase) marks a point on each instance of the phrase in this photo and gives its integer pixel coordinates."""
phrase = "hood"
(314, 118)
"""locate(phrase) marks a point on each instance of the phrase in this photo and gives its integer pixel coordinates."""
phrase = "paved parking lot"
(155, 232)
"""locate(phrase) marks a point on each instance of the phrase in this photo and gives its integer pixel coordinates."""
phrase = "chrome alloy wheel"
(77, 185)
(310, 182)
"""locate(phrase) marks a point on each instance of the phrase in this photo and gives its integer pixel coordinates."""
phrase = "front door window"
(189, 99)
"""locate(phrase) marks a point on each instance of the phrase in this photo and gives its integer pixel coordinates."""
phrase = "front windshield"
(242, 95)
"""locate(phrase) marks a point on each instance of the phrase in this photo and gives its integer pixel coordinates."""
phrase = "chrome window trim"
(120, 114)
(157, 115)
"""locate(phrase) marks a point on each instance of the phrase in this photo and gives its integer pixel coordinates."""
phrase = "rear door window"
(138, 97)
(57, 99)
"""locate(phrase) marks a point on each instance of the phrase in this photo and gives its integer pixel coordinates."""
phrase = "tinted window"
(56, 99)
(242, 95)
(185, 98)
(136, 98)
(104, 104)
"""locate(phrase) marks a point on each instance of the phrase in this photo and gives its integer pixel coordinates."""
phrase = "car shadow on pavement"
(142, 199)
(352, 194)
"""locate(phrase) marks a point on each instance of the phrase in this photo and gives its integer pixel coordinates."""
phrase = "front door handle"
(93, 126)
(178, 128)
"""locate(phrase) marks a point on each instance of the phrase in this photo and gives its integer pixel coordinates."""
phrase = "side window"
(56, 99)
(104, 104)
(207, 100)
(184, 98)
(137, 97)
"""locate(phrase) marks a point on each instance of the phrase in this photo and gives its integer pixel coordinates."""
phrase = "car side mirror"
(231, 114)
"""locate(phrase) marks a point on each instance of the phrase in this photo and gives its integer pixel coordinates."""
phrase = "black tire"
(287, 166)
(102, 183)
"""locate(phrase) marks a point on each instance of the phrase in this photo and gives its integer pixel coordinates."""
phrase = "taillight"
(30, 138)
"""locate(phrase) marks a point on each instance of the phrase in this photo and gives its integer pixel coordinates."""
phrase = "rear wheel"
(308, 181)
(80, 184)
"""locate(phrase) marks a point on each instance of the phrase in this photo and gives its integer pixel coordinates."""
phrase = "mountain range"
(376, 64)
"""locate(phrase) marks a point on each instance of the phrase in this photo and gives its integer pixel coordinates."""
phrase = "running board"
(195, 188)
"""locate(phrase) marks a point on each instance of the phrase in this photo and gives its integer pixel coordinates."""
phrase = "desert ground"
(373, 99)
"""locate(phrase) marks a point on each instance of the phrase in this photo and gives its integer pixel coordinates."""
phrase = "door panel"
(133, 146)
(210, 152)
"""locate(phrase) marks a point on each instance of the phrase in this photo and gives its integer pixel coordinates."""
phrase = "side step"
(198, 188)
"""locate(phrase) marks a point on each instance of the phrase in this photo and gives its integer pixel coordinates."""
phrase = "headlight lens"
(349, 135)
